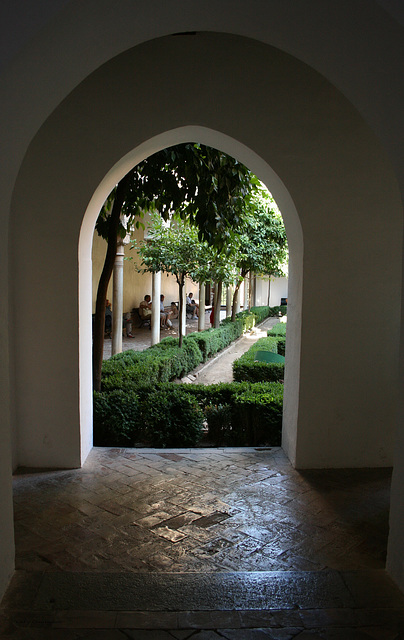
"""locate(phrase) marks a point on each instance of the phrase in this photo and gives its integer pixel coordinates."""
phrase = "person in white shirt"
(192, 307)
(164, 319)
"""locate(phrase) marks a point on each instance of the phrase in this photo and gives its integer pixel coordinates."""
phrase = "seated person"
(127, 324)
(191, 305)
(165, 322)
(145, 308)
(173, 313)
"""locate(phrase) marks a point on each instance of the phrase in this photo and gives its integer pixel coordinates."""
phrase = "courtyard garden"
(143, 403)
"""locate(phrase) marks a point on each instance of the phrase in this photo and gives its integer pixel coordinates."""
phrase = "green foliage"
(262, 243)
(199, 183)
(172, 415)
(241, 413)
(261, 414)
(138, 402)
(116, 418)
(278, 330)
(245, 368)
(166, 361)
(281, 343)
(172, 418)
(275, 311)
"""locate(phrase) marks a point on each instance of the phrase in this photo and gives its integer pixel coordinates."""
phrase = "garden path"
(219, 368)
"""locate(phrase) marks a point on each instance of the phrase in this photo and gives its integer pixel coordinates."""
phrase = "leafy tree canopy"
(196, 182)
(261, 246)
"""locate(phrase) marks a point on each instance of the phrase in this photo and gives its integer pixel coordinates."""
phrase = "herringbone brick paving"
(199, 510)
(195, 513)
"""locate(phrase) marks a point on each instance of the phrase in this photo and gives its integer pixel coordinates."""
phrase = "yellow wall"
(135, 285)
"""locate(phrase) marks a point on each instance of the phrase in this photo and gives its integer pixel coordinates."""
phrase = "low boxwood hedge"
(245, 368)
(278, 330)
(172, 415)
(165, 361)
(139, 403)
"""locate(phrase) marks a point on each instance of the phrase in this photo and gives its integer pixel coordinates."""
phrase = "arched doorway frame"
(289, 212)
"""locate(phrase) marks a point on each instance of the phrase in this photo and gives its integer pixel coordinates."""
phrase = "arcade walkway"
(201, 543)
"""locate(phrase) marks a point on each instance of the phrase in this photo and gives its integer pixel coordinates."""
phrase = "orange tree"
(199, 183)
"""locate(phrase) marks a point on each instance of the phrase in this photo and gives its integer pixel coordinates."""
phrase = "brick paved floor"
(308, 549)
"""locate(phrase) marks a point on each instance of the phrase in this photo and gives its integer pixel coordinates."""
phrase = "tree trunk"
(218, 298)
(235, 300)
(181, 315)
(99, 320)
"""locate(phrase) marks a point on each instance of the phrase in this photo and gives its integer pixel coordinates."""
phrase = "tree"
(262, 246)
(197, 182)
(174, 249)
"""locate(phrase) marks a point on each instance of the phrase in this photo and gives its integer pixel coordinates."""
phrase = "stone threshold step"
(233, 591)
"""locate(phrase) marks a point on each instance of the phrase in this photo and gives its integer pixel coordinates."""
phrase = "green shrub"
(259, 371)
(281, 343)
(278, 329)
(245, 368)
(259, 415)
(219, 418)
(241, 413)
(172, 415)
(136, 384)
(171, 418)
(117, 420)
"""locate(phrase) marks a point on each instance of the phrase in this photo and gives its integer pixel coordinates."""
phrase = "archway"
(295, 241)
(335, 173)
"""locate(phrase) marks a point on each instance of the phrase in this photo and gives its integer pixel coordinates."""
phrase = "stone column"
(238, 306)
(245, 294)
(229, 296)
(201, 315)
(218, 303)
(183, 320)
(155, 319)
(117, 300)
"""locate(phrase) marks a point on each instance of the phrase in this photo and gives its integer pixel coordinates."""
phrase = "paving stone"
(261, 634)
(206, 635)
(146, 620)
(84, 619)
(208, 521)
(181, 634)
(257, 514)
(209, 619)
(147, 634)
(169, 534)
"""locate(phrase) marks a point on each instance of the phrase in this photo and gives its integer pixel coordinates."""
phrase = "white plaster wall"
(71, 45)
(334, 170)
(279, 289)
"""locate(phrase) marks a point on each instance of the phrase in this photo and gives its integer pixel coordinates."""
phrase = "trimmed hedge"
(245, 368)
(278, 330)
(165, 361)
(117, 421)
(172, 415)
(172, 418)
(139, 403)
(281, 343)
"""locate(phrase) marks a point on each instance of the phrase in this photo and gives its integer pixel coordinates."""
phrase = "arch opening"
(295, 241)
(337, 178)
